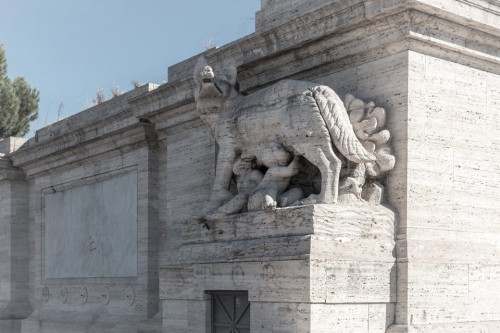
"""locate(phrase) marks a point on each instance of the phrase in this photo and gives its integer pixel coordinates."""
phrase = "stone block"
(88, 233)
(316, 231)
(338, 317)
(175, 314)
(483, 303)
(14, 245)
(285, 281)
(360, 282)
(299, 265)
(270, 317)
(381, 317)
(185, 316)
(438, 293)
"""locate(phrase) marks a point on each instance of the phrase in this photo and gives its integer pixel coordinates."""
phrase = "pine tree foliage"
(18, 102)
(3, 64)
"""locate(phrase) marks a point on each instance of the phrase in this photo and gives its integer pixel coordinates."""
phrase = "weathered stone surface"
(452, 201)
(318, 231)
(322, 280)
(14, 269)
(88, 233)
(288, 295)
(116, 297)
(299, 266)
(432, 65)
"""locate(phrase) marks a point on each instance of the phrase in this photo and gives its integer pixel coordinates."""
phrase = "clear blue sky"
(69, 49)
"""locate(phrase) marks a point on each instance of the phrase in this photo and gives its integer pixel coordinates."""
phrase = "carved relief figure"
(276, 181)
(247, 180)
(258, 191)
(302, 118)
(363, 180)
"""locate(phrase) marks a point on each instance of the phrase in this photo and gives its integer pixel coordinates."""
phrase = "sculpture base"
(318, 268)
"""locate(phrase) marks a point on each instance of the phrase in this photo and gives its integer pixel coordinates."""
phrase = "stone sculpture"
(362, 180)
(272, 187)
(275, 127)
(247, 179)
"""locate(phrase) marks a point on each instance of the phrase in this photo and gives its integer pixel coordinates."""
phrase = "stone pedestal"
(14, 298)
(318, 268)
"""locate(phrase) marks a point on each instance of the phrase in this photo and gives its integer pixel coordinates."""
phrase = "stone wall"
(452, 226)
(14, 277)
(433, 65)
(93, 222)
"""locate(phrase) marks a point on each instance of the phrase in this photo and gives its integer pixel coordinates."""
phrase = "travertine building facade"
(100, 213)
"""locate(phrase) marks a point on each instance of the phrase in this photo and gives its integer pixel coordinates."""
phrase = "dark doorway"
(230, 312)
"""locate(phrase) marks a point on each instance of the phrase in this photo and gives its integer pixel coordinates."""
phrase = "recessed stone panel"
(91, 230)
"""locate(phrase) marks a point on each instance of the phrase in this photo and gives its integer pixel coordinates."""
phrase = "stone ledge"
(361, 220)
(338, 18)
(106, 111)
(344, 232)
(47, 157)
(279, 12)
